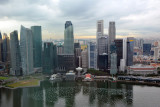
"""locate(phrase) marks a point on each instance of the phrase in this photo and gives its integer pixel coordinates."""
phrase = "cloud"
(133, 17)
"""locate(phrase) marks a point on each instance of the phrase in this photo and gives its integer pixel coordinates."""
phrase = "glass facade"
(119, 50)
(113, 69)
(68, 39)
(37, 46)
(15, 54)
(26, 50)
(146, 49)
(48, 58)
(130, 45)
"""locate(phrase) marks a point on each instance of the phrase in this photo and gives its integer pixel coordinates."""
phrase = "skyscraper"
(112, 36)
(0, 47)
(15, 54)
(130, 44)
(92, 55)
(146, 48)
(5, 48)
(26, 50)
(48, 58)
(37, 46)
(119, 51)
(100, 28)
(68, 39)
(113, 69)
(102, 45)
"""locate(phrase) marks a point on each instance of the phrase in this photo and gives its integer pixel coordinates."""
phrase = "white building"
(26, 50)
(122, 65)
(141, 69)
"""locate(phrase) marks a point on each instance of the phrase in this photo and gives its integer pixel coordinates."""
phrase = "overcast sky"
(138, 18)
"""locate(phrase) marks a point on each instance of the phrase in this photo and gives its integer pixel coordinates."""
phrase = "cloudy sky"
(138, 18)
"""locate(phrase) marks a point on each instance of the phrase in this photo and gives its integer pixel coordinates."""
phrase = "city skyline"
(133, 18)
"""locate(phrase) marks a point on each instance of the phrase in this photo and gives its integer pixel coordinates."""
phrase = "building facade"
(146, 49)
(68, 39)
(37, 46)
(48, 58)
(113, 69)
(111, 38)
(15, 54)
(26, 50)
(92, 55)
(130, 45)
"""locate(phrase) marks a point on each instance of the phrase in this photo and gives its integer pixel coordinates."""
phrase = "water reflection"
(69, 94)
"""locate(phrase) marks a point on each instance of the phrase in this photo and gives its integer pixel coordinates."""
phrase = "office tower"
(26, 50)
(15, 54)
(156, 53)
(103, 62)
(112, 36)
(113, 69)
(100, 28)
(5, 48)
(113, 48)
(146, 48)
(119, 50)
(55, 58)
(48, 58)
(122, 65)
(84, 55)
(102, 45)
(77, 54)
(37, 46)
(130, 44)
(68, 39)
(92, 55)
(125, 49)
(0, 47)
(60, 49)
(65, 63)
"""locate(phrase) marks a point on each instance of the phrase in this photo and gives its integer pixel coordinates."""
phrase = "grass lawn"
(3, 78)
(24, 83)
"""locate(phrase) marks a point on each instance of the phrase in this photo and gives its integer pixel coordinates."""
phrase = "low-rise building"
(141, 69)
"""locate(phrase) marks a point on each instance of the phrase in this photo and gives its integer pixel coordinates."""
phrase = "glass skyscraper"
(130, 45)
(37, 46)
(26, 49)
(49, 58)
(0, 47)
(15, 54)
(68, 39)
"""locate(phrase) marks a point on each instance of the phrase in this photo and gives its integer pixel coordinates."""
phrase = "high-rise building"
(103, 62)
(113, 69)
(15, 54)
(146, 48)
(65, 63)
(68, 39)
(112, 32)
(92, 55)
(130, 44)
(48, 58)
(55, 58)
(5, 48)
(26, 50)
(102, 45)
(84, 55)
(60, 49)
(0, 47)
(119, 50)
(37, 46)
(100, 26)
(112, 36)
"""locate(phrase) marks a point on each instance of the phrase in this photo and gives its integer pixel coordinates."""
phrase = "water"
(81, 94)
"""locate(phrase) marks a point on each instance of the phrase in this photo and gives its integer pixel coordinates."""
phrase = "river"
(81, 94)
